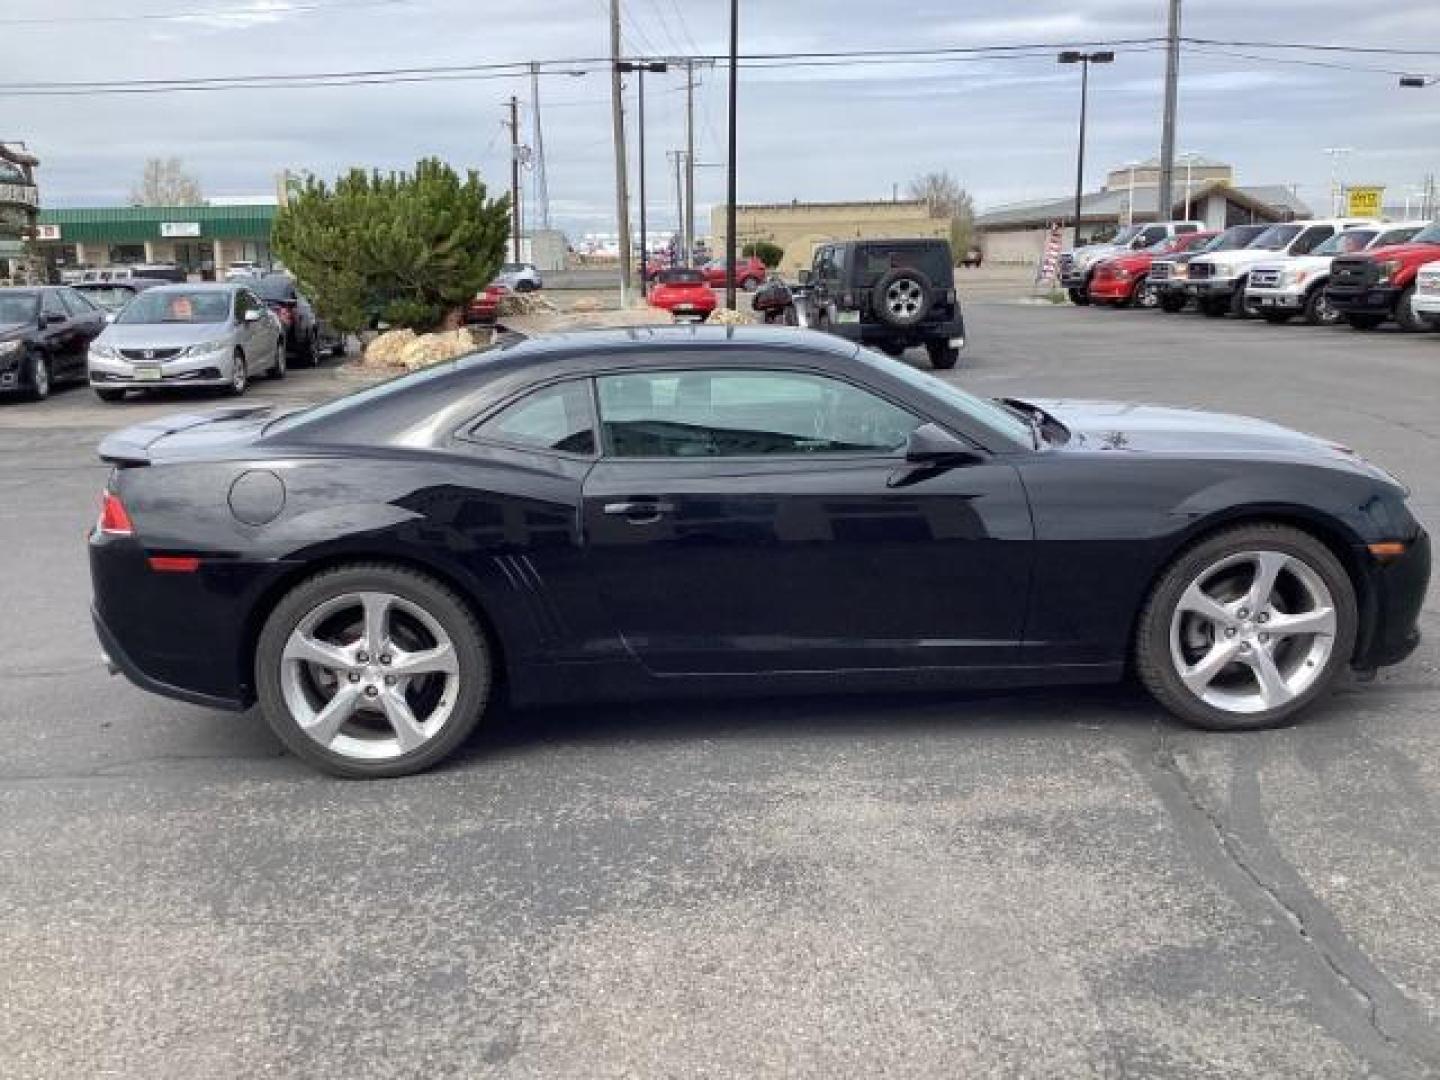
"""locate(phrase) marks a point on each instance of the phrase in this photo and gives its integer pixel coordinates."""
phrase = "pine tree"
(400, 248)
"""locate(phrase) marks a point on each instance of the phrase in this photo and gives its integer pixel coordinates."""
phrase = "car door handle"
(640, 511)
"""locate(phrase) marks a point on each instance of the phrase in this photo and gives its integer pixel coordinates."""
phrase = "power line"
(1330, 65)
(1314, 47)
(240, 14)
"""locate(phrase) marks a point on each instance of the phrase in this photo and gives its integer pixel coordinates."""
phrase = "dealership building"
(200, 239)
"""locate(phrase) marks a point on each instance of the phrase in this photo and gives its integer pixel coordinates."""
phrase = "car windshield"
(109, 297)
(1345, 242)
(1235, 237)
(17, 307)
(1428, 235)
(1276, 237)
(165, 306)
(681, 276)
(987, 413)
(275, 287)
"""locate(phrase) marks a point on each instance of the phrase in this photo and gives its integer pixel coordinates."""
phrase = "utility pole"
(622, 187)
(542, 184)
(640, 68)
(1166, 201)
(515, 219)
(679, 156)
(687, 227)
(730, 245)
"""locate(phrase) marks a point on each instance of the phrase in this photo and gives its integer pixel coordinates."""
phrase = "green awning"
(136, 224)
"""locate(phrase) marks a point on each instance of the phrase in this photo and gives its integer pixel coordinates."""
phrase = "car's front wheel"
(239, 375)
(372, 671)
(1247, 628)
(1078, 297)
(277, 371)
(1145, 294)
(39, 377)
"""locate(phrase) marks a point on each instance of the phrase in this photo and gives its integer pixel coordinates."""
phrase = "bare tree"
(166, 183)
(945, 198)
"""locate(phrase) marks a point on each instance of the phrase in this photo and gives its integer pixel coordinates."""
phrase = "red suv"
(749, 273)
(1124, 279)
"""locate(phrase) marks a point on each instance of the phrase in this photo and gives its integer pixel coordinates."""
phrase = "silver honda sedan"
(188, 335)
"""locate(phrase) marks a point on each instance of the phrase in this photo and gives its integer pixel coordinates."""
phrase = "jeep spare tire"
(902, 297)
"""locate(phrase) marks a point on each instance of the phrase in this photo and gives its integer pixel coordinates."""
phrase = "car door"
(59, 334)
(259, 352)
(89, 321)
(746, 520)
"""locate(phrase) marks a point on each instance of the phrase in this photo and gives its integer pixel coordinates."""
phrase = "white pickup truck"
(1425, 301)
(1217, 281)
(1278, 290)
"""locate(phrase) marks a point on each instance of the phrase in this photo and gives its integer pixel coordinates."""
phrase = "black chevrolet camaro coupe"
(710, 510)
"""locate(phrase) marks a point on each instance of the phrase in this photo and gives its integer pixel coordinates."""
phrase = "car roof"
(201, 286)
(630, 340)
(122, 283)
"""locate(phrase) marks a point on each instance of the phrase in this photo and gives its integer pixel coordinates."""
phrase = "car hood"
(1400, 251)
(1295, 262)
(13, 330)
(160, 335)
(1126, 427)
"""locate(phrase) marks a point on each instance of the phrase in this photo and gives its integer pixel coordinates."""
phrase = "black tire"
(277, 370)
(109, 395)
(1172, 304)
(239, 378)
(1276, 318)
(908, 308)
(1318, 311)
(1144, 295)
(1152, 639)
(1079, 297)
(476, 671)
(1405, 314)
(37, 375)
(1364, 322)
(942, 356)
(1238, 308)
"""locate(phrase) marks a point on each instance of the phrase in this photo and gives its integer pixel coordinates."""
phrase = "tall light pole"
(1084, 59)
(640, 68)
(730, 246)
(1336, 153)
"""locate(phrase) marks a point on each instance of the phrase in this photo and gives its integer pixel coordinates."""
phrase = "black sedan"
(306, 337)
(698, 510)
(45, 333)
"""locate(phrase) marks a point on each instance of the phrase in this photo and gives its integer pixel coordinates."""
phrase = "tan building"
(798, 227)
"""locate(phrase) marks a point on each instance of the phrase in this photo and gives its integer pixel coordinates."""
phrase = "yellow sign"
(1363, 201)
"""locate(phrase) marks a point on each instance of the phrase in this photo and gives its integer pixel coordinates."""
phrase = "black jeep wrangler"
(888, 293)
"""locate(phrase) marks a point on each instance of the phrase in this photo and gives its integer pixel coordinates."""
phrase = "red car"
(1123, 280)
(486, 305)
(684, 293)
(749, 273)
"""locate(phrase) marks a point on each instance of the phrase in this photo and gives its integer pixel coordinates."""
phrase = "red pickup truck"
(1125, 279)
(1371, 288)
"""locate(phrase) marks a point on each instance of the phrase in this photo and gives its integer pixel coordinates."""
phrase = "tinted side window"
(50, 304)
(554, 418)
(1153, 235)
(745, 414)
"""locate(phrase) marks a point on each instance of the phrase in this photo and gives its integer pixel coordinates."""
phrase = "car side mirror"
(804, 277)
(930, 444)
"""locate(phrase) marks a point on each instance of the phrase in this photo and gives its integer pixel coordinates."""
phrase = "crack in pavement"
(1354, 1000)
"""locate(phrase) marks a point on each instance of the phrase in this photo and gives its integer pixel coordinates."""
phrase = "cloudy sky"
(1004, 127)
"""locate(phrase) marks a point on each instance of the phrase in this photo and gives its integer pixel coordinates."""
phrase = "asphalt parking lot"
(1045, 884)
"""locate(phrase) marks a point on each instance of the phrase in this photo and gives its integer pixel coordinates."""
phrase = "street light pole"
(1084, 59)
(730, 245)
(640, 69)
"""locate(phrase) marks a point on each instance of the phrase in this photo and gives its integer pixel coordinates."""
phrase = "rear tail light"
(114, 519)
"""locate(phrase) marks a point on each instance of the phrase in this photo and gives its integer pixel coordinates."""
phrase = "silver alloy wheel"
(1253, 631)
(1325, 313)
(40, 377)
(903, 298)
(1146, 295)
(239, 377)
(370, 676)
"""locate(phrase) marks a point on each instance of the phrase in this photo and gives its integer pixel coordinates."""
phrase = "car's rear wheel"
(372, 671)
(1078, 297)
(277, 371)
(1145, 294)
(1247, 628)
(1238, 307)
(943, 356)
(1405, 314)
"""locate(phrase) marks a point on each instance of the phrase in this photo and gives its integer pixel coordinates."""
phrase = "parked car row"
(137, 334)
(1352, 270)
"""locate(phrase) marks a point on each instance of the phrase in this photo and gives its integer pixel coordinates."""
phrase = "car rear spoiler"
(131, 446)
